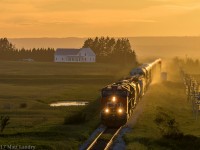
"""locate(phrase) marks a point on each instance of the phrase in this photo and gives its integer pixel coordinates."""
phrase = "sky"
(90, 18)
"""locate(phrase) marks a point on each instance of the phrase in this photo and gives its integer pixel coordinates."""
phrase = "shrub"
(23, 105)
(167, 125)
(75, 119)
(4, 121)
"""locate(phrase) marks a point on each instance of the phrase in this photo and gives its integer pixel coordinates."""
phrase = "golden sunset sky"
(86, 18)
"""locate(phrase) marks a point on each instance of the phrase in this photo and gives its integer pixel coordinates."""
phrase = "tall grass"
(167, 120)
(27, 89)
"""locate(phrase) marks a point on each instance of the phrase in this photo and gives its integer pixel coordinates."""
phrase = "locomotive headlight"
(106, 110)
(114, 99)
(120, 110)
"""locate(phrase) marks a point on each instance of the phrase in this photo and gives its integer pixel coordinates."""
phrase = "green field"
(168, 100)
(27, 89)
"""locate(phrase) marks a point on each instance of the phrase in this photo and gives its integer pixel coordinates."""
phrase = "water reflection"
(69, 103)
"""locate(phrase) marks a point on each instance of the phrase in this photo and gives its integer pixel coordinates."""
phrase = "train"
(119, 99)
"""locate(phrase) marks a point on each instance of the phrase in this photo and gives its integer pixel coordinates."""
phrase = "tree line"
(111, 50)
(106, 49)
(9, 52)
(188, 62)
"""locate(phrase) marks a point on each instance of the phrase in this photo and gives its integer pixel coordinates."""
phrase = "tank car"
(148, 71)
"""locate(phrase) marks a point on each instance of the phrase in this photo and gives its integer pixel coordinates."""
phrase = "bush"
(89, 112)
(4, 121)
(23, 105)
(167, 125)
(75, 119)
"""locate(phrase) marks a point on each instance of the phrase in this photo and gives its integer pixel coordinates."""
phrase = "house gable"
(86, 52)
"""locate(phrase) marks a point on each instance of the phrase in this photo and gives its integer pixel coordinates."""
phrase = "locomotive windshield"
(107, 93)
(119, 93)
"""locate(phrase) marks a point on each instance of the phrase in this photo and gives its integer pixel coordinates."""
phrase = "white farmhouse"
(74, 55)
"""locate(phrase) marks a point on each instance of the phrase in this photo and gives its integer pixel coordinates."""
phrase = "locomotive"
(119, 99)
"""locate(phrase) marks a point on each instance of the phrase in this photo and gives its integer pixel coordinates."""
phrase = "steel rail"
(95, 140)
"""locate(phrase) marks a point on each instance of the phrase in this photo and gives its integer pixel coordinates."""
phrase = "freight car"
(149, 71)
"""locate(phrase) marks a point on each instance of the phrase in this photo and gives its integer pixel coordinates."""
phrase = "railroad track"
(105, 139)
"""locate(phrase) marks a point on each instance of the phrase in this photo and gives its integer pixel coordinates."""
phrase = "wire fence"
(192, 90)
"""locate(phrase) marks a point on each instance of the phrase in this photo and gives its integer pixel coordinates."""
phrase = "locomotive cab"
(116, 103)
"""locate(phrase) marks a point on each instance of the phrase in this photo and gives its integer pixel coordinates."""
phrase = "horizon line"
(100, 36)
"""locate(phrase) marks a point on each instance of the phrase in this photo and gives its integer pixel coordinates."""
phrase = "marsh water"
(69, 103)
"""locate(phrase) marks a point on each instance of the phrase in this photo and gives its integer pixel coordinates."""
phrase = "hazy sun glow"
(83, 18)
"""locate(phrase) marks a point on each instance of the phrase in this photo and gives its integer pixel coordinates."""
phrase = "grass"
(169, 98)
(27, 89)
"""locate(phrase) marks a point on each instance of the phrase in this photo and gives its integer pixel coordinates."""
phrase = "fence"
(192, 90)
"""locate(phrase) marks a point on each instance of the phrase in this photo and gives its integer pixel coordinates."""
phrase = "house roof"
(66, 51)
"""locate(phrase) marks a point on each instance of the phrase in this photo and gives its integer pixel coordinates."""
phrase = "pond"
(69, 103)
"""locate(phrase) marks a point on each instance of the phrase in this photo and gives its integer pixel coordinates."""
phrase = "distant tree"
(6, 49)
(196, 62)
(110, 50)
(5, 45)
(9, 52)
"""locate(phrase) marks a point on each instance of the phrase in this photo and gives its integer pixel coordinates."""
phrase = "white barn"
(74, 55)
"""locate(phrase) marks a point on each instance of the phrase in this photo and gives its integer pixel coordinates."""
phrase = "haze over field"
(144, 46)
